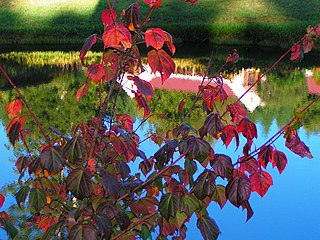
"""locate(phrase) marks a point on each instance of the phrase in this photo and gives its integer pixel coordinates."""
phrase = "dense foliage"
(80, 185)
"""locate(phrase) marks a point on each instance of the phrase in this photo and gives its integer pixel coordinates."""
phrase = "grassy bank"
(260, 22)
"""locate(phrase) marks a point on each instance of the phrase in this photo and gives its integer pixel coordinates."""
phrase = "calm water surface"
(290, 209)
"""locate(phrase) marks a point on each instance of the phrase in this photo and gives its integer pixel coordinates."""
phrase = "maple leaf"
(228, 133)
(125, 121)
(96, 72)
(211, 93)
(279, 160)
(246, 205)
(155, 37)
(208, 228)
(181, 105)
(83, 90)
(238, 188)
(308, 43)
(132, 17)
(212, 125)
(108, 17)
(142, 103)
(169, 43)
(248, 164)
(14, 108)
(237, 112)
(296, 53)
(160, 61)
(222, 164)
(191, 1)
(265, 155)
(46, 222)
(143, 87)
(233, 58)
(260, 182)
(90, 41)
(117, 36)
(294, 143)
(248, 129)
(146, 205)
(1, 200)
(15, 128)
(153, 3)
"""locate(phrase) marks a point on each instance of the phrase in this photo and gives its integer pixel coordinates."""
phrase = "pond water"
(290, 209)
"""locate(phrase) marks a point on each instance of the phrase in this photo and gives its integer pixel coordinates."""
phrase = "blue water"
(289, 210)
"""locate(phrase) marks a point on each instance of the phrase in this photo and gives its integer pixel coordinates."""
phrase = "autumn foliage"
(81, 185)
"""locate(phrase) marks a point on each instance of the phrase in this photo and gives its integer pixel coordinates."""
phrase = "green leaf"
(22, 194)
(73, 149)
(219, 195)
(197, 148)
(51, 231)
(189, 204)
(208, 228)
(79, 183)
(82, 232)
(169, 205)
(52, 159)
(180, 219)
(10, 229)
(205, 184)
(145, 232)
(37, 199)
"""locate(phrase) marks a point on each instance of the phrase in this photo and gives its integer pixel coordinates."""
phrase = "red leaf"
(144, 206)
(228, 133)
(180, 106)
(160, 61)
(96, 72)
(246, 205)
(83, 90)
(91, 166)
(248, 129)
(15, 128)
(280, 160)
(296, 53)
(46, 222)
(294, 143)
(1, 200)
(210, 94)
(238, 188)
(142, 103)
(155, 37)
(153, 3)
(14, 108)
(260, 182)
(308, 43)
(248, 164)
(119, 145)
(117, 36)
(247, 147)
(87, 46)
(169, 43)
(108, 17)
(125, 121)
(233, 58)
(237, 112)
(132, 16)
(265, 155)
(143, 87)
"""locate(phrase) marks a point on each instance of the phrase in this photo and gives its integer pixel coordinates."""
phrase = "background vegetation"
(260, 22)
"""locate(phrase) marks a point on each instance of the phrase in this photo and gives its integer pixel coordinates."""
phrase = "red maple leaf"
(160, 61)
(1, 200)
(108, 17)
(153, 3)
(96, 72)
(279, 160)
(228, 133)
(46, 222)
(237, 112)
(91, 40)
(14, 108)
(294, 143)
(83, 90)
(125, 121)
(265, 155)
(155, 37)
(248, 129)
(117, 36)
(260, 182)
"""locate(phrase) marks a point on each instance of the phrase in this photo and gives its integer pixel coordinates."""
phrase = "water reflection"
(50, 90)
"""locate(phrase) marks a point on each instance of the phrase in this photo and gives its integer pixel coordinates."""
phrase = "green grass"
(259, 22)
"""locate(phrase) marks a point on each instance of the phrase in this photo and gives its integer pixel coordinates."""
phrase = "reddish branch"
(27, 106)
